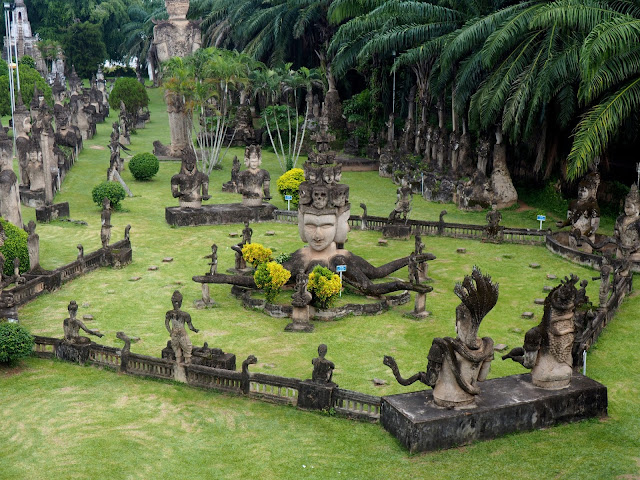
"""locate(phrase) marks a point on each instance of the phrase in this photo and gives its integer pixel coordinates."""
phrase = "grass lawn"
(64, 421)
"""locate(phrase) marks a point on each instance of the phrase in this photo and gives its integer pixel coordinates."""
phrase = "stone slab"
(219, 214)
(32, 198)
(505, 405)
(315, 396)
(50, 212)
(401, 232)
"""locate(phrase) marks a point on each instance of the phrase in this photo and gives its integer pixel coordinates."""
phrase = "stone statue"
(254, 183)
(493, 217)
(482, 151)
(300, 301)
(213, 264)
(232, 185)
(29, 158)
(456, 365)
(403, 202)
(174, 322)
(72, 327)
(9, 192)
(190, 185)
(423, 267)
(627, 227)
(322, 368)
(247, 233)
(547, 347)
(584, 213)
(605, 281)
(105, 219)
(33, 245)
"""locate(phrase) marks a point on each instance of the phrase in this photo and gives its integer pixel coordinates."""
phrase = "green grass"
(64, 421)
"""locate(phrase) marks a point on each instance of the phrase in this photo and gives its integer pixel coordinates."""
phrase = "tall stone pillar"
(9, 193)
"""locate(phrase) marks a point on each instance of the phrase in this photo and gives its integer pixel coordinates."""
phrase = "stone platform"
(47, 213)
(351, 163)
(219, 214)
(506, 405)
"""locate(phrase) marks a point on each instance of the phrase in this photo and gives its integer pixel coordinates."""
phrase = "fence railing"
(356, 404)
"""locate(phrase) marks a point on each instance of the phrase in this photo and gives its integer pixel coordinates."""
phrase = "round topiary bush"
(143, 166)
(15, 246)
(15, 342)
(289, 184)
(112, 190)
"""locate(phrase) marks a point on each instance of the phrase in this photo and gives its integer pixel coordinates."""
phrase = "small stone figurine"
(72, 327)
(322, 368)
(213, 264)
(105, 230)
(174, 322)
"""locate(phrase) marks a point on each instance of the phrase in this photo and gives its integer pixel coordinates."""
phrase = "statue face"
(630, 208)
(583, 192)
(190, 164)
(320, 198)
(327, 175)
(319, 230)
(305, 194)
(254, 161)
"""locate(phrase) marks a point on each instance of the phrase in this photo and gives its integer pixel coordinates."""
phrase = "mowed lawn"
(65, 421)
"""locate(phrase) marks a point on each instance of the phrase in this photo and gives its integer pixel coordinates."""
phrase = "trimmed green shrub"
(28, 78)
(15, 246)
(27, 61)
(112, 190)
(289, 184)
(143, 166)
(131, 92)
(15, 342)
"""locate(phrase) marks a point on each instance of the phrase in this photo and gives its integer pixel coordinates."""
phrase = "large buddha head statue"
(324, 209)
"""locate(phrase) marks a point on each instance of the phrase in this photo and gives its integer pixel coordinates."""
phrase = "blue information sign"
(541, 218)
(341, 268)
(288, 197)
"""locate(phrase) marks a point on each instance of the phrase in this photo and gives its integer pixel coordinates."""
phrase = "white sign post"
(288, 198)
(340, 269)
(541, 218)
(638, 170)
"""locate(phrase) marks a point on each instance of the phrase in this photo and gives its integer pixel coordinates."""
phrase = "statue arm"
(387, 269)
(205, 187)
(191, 327)
(88, 330)
(267, 188)
(166, 322)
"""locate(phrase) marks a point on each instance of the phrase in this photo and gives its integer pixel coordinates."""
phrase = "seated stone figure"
(456, 365)
(547, 347)
(254, 183)
(190, 185)
(72, 327)
(322, 368)
(584, 213)
(627, 228)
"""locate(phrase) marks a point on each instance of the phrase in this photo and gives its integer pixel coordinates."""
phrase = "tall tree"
(84, 48)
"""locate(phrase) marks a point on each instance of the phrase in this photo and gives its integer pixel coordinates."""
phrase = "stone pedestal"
(47, 213)
(505, 405)
(419, 310)
(315, 396)
(205, 301)
(32, 198)
(72, 353)
(219, 214)
(300, 320)
(402, 232)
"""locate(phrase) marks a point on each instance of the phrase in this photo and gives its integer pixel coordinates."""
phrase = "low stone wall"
(285, 311)
(592, 260)
(261, 386)
(115, 255)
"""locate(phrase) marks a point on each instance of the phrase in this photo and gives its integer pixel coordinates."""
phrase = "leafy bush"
(144, 166)
(27, 61)
(289, 184)
(256, 254)
(270, 277)
(324, 285)
(15, 342)
(28, 78)
(283, 257)
(119, 71)
(15, 246)
(112, 190)
(131, 92)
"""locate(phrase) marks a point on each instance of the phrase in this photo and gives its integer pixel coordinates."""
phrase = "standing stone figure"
(403, 202)
(247, 233)
(105, 218)
(190, 185)
(213, 264)
(322, 368)
(423, 266)
(72, 327)
(627, 228)
(232, 185)
(174, 322)
(33, 245)
(254, 183)
(493, 217)
(456, 365)
(547, 346)
(9, 193)
(482, 150)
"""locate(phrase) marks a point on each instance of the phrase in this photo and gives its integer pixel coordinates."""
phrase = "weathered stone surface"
(382, 242)
(534, 265)
(547, 288)
(219, 214)
(269, 233)
(461, 250)
(135, 279)
(402, 232)
(539, 301)
(167, 259)
(87, 317)
(378, 382)
(550, 276)
(153, 268)
(505, 405)
(499, 347)
(315, 396)
(527, 315)
(47, 213)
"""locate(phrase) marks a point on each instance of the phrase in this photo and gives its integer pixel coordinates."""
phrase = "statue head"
(588, 186)
(72, 308)
(322, 350)
(176, 300)
(253, 157)
(478, 295)
(319, 231)
(328, 175)
(26, 125)
(320, 197)
(189, 164)
(632, 202)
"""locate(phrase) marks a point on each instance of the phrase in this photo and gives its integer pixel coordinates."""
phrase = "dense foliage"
(111, 190)
(143, 166)
(131, 92)
(15, 246)
(84, 48)
(270, 277)
(28, 79)
(289, 184)
(256, 254)
(15, 342)
(324, 285)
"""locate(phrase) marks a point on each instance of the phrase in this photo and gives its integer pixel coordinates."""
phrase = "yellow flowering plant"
(270, 277)
(255, 254)
(289, 184)
(324, 285)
